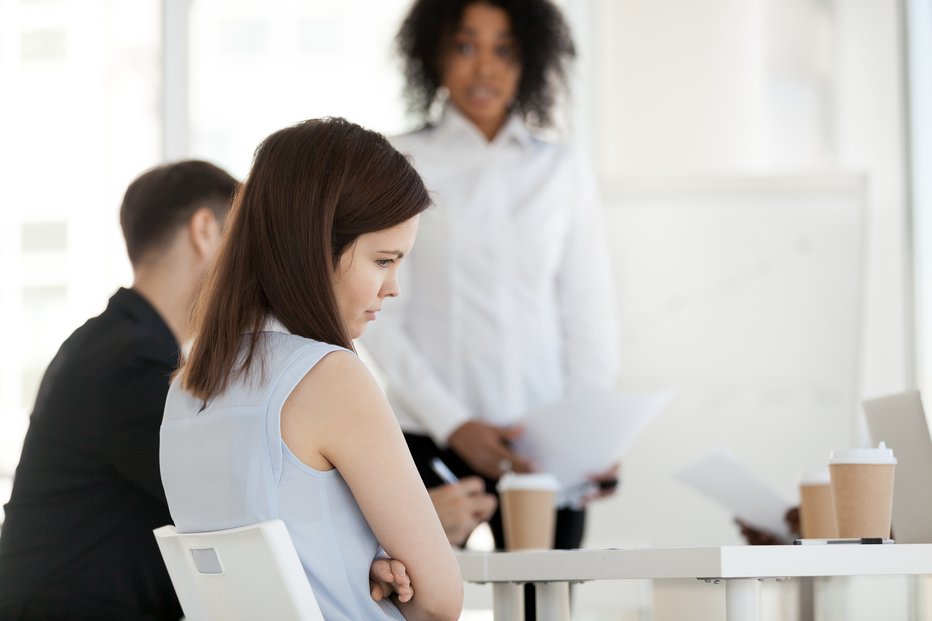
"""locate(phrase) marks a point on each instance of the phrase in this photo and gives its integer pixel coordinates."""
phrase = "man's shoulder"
(115, 340)
(106, 354)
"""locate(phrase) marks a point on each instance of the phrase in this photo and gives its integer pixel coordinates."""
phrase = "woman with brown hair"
(272, 415)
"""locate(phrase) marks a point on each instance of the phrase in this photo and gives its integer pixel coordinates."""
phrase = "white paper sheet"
(723, 479)
(586, 433)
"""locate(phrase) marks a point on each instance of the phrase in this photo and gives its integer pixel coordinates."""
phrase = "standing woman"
(509, 303)
(272, 415)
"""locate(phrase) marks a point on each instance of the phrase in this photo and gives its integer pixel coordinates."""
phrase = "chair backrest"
(252, 572)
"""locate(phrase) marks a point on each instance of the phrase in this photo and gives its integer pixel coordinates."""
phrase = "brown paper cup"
(528, 519)
(528, 510)
(817, 511)
(863, 499)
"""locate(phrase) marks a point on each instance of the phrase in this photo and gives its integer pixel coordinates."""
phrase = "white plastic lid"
(537, 481)
(816, 476)
(879, 455)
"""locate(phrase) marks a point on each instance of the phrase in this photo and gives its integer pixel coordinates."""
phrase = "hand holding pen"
(461, 505)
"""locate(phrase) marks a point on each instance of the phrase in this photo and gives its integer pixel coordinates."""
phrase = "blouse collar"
(272, 324)
(454, 124)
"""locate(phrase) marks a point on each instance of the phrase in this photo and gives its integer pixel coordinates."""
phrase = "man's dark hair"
(545, 47)
(162, 200)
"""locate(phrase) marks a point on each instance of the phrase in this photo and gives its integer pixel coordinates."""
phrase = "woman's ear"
(204, 233)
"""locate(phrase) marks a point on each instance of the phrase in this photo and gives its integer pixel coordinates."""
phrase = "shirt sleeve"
(412, 382)
(585, 292)
(135, 415)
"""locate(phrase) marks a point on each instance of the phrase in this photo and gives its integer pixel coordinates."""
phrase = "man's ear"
(204, 232)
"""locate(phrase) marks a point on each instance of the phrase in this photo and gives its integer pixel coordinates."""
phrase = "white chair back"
(247, 573)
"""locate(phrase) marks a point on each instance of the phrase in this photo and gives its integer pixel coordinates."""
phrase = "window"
(258, 67)
(79, 118)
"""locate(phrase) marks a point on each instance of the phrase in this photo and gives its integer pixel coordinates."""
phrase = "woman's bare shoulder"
(339, 382)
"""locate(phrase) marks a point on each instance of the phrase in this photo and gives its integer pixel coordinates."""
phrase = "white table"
(740, 567)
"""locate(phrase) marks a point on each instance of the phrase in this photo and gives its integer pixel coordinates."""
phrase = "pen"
(445, 474)
(861, 541)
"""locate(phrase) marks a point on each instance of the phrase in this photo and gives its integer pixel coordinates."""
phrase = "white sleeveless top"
(226, 465)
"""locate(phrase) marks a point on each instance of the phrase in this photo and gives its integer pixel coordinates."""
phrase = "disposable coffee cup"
(816, 507)
(862, 491)
(528, 510)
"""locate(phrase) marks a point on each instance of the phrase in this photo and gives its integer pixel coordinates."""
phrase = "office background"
(789, 140)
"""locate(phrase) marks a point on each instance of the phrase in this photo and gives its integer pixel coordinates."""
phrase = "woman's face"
(368, 273)
(481, 69)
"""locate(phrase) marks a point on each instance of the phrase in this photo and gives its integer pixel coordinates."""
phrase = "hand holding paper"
(723, 479)
(584, 434)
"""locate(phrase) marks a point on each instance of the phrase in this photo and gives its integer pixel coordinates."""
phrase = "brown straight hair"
(313, 189)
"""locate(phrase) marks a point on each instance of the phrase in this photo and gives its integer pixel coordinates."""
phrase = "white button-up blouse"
(506, 298)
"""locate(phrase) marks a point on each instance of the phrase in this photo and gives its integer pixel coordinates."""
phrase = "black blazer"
(77, 542)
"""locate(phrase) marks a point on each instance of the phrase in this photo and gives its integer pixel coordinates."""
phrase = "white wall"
(677, 88)
(919, 25)
(870, 138)
(731, 88)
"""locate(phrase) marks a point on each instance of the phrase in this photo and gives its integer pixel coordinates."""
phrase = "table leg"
(553, 601)
(806, 599)
(742, 599)
(507, 601)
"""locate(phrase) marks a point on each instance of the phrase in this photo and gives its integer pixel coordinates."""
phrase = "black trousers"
(570, 522)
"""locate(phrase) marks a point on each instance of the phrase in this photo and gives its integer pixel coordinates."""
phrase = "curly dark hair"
(545, 48)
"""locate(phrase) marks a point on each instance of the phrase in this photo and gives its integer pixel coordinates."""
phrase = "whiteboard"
(747, 295)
